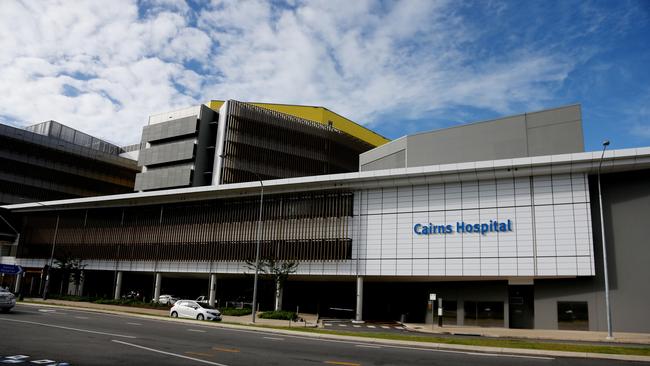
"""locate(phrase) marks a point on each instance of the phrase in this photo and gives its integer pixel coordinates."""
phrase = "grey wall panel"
(548, 132)
(176, 176)
(392, 161)
(553, 116)
(558, 138)
(499, 139)
(205, 148)
(166, 153)
(384, 150)
(626, 199)
(173, 128)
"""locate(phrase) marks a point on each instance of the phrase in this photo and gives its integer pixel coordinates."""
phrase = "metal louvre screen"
(304, 227)
(276, 145)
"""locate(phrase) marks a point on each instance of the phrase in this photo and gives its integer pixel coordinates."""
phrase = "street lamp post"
(46, 288)
(602, 232)
(257, 249)
(257, 244)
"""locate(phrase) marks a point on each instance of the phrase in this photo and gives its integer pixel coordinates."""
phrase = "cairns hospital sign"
(463, 228)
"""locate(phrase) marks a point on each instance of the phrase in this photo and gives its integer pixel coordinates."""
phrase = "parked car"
(194, 310)
(7, 300)
(167, 299)
(202, 299)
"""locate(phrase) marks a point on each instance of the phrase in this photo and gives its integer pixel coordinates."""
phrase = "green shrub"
(132, 302)
(282, 315)
(235, 311)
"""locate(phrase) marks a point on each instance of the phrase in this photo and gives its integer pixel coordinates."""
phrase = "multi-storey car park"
(498, 218)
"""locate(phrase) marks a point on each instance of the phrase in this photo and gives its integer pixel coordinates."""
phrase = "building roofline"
(472, 123)
(585, 162)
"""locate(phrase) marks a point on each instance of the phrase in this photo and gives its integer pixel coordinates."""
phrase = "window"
(484, 313)
(572, 315)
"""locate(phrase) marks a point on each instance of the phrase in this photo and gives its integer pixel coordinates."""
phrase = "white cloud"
(103, 67)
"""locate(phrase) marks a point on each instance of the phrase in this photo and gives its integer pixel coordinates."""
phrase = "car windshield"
(3, 290)
(207, 306)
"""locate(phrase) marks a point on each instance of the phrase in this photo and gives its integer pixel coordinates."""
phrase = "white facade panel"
(523, 226)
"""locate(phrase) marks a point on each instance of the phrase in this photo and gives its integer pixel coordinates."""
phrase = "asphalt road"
(49, 336)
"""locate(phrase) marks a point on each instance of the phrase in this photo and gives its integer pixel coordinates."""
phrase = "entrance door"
(521, 307)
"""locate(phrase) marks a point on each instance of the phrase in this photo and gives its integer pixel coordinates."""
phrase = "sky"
(397, 67)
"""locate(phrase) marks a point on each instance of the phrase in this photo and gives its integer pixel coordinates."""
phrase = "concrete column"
(81, 284)
(156, 291)
(19, 278)
(118, 286)
(358, 317)
(278, 296)
(213, 288)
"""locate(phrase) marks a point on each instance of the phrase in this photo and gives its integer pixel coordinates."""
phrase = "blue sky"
(398, 67)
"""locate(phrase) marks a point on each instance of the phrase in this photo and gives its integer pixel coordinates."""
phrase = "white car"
(194, 310)
(167, 300)
(7, 300)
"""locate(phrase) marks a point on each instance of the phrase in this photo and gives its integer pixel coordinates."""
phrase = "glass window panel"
(572, 315)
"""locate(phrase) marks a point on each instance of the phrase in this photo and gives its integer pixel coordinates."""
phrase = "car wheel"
(174, 314)
(200, 317)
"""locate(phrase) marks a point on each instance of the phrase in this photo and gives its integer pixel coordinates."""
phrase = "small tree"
(70, 268)
(279, 271)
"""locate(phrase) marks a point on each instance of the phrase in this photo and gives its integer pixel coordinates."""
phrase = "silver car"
(7, 300)
(194, 310)
(167, 300)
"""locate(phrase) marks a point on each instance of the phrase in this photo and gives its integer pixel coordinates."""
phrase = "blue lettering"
(449, 229)
(460, 227)
(416, 228)
(509, 225)
(484, 228)
(502, 226)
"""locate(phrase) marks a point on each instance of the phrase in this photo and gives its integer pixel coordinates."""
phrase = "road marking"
(196, 330)
(385, 327)
(366, 346)
(199, 354)
(133, 323)
(371, 326)
(342, 363)
(68, 328)
(168, 353)
(230, 350)
(327, 324)
(81, 317)
(46, 310)
(275, 338)
(343, 325)
(356, 326)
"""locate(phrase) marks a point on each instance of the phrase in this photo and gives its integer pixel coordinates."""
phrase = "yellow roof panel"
(320, 115)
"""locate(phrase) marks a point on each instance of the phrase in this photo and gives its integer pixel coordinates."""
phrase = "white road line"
(168, 353)
(327, 324)
(133, 323)
(81, 317)
(69, 328)
(47, 310)
(357, 326)
(366, 346)
(196, 330)
(275, 338)
(371, 326)
(343, 325)
(385, 327)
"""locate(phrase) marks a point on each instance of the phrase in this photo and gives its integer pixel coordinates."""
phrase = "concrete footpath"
(540, 334)
(244, 322)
